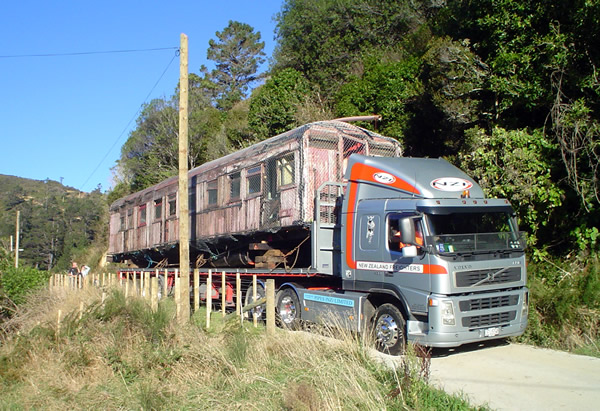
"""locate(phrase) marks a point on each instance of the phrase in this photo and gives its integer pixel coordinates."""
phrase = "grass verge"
(121, 355)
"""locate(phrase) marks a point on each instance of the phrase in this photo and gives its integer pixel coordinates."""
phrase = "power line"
(131, 120)
(82, 53)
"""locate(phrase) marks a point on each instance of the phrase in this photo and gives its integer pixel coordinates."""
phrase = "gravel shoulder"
(518, 377)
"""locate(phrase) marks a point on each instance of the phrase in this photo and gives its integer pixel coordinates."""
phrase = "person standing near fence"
(73, 273)
(84, 270)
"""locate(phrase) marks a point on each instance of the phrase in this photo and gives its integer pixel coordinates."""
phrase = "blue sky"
(67, 116)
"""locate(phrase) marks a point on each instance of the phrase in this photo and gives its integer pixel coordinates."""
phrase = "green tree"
(385, 88)
(543, 59)
(237, 53)
(274, 106)
(516, 164)
(326, 40)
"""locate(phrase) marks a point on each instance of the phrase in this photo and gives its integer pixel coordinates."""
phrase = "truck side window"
(395, 240)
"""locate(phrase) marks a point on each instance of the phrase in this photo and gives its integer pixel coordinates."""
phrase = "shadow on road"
(445, 352)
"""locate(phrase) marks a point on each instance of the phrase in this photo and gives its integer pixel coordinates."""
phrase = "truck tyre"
(260, 310)
(288, 309)
(389, 329)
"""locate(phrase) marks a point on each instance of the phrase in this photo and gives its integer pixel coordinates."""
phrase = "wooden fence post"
(154, 294)
(177, 294)
(238, 291)
(208, 298)
(58, 319)
(223, 293)
(270, 306)
(196, 290)
(155, 290)
(166, 283)
(254, 312)
(147, 282)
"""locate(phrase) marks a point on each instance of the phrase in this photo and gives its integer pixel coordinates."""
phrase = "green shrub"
(564, 303)
(16, 283)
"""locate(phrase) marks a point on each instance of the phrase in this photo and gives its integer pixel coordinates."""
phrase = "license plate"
(491, 332)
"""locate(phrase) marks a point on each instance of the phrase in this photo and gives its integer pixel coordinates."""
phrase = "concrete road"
(518, 377)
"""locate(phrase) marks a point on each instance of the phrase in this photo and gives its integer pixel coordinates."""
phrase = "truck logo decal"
(384, 178)
(370, 228)
(451, 184)
(401, 268)
(329, 300)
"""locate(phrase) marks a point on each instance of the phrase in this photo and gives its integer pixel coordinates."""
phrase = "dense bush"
(565, 305)
(16, 283)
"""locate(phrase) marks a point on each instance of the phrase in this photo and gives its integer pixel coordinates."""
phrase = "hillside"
(57, 223)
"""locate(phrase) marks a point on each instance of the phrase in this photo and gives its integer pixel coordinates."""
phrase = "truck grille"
(488, 320)
(488, 302)
(470, 278)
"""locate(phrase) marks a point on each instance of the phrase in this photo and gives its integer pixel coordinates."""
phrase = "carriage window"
(123, 222)
(253, 180)
(212, 191)
(158, 209)
(130, 218)
(142, 215)
(235, 181)
(172, 204)
(285, 170)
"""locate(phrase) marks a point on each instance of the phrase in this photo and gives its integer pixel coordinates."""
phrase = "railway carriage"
(251, 208)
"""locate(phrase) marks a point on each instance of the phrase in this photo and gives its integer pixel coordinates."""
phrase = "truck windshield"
(474, 232)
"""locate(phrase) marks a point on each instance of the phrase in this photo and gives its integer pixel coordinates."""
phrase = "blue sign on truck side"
(329, 300)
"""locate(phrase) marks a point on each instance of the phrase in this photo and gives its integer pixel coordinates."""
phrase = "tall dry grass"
(121, 355)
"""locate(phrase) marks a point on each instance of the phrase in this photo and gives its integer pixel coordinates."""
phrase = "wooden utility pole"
(17, 240)
(184, 221)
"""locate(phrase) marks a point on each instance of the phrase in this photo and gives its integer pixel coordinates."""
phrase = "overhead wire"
(81, 53)
(134, 116)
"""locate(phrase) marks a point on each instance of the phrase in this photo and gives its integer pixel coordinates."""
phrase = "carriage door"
(270, 199)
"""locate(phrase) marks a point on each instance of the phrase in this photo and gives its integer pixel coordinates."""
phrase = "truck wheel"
(260, 310)
(388, 329)
(288, 309)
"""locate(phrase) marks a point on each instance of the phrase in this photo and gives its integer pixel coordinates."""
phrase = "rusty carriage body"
(252, 208)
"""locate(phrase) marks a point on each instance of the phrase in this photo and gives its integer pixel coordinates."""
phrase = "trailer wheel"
(260, 310)
(288, 309)
(388, 329)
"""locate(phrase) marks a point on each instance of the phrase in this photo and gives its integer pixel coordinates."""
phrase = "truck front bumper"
(457, 320)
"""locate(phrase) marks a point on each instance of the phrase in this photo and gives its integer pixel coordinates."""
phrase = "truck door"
(406, 256)
(368, 246)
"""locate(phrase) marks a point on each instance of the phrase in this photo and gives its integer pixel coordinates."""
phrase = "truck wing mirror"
(407, 230)
(409, 251)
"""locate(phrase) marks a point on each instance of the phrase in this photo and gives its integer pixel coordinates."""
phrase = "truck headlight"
(525, 308)
(447, 310)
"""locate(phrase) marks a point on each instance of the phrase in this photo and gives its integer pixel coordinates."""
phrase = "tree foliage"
(237, 54)
(385, 88)
(275, 105)
(507, 89)
(56, 223)
(326, 40)
(517, 165)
